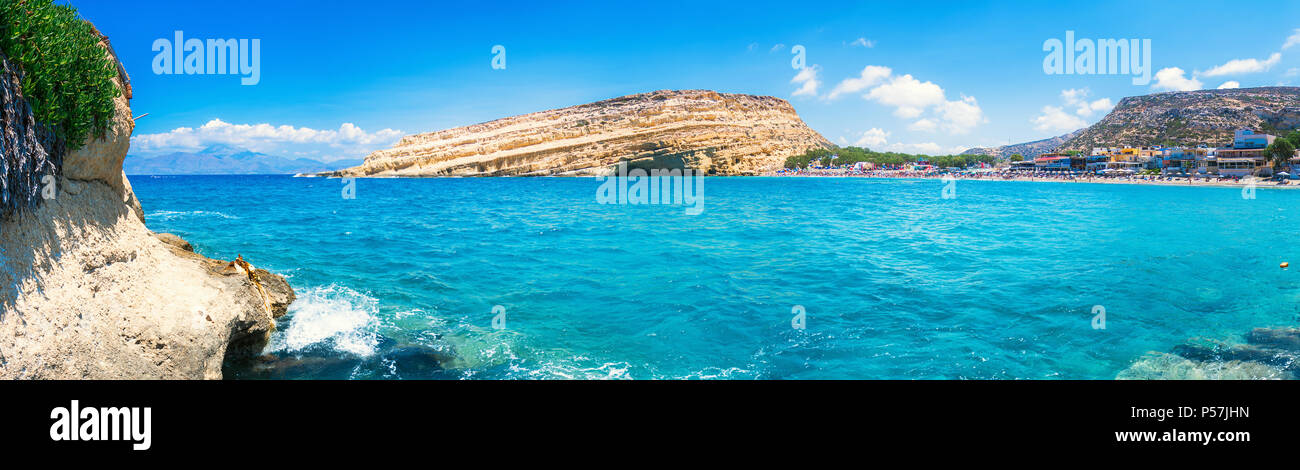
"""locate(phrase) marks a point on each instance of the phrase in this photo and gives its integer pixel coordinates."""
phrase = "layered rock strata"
(716, 133)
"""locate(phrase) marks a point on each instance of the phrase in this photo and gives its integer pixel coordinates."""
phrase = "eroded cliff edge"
(87, 291)
(716, 133)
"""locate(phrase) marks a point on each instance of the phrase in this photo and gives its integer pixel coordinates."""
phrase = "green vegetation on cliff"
(851, 155)
(66, 75)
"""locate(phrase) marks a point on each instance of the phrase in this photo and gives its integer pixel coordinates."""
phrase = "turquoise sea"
(897, 282)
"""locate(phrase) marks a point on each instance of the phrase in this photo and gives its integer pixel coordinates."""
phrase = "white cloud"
(349, 141)
(1292, 40)
(1103, 104)
(923, 125)
(878, 139)
(870, 76)
(1240, 66)
(925, 148)
(873, 137)
(1174, 79)
(1074, 95)
(1077, 98)
(864, 42)
(959, 117)
(1054, 118)
(907, 95)
(807, 78)
(911, 98)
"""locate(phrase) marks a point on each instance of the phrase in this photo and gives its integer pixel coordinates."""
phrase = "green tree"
(1280, 152)
(1015, 157)
(1294, 138)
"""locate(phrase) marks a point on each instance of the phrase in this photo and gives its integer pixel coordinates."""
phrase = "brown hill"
(717, 133)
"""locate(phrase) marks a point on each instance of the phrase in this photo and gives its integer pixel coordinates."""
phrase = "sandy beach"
(1141, 180)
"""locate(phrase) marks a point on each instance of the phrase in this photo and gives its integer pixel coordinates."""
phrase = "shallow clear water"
(896, 281)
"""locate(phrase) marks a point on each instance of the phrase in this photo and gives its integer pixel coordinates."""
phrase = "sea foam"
(332, 316)
(171, 215)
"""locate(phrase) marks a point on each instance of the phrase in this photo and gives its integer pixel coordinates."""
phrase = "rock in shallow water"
(1269, 353)
(1281, 338)
(1243, 352)
(1164, 366)
(407, 362)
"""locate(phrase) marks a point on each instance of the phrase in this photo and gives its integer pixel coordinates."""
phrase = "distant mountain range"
(227, 160)
(1027, 149)
(1180, 118)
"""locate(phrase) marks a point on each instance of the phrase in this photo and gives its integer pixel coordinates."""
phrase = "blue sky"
(338, 80)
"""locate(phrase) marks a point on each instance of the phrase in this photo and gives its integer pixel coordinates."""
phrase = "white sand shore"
(1196, 182)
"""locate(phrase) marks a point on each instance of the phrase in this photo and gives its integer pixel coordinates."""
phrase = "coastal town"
(1252, 156)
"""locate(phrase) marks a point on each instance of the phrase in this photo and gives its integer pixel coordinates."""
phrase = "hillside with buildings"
(1175, 119)
(1191, 118)
(1248, 153)
(1217, 132)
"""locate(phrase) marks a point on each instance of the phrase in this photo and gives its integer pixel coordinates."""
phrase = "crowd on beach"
(1012, 175)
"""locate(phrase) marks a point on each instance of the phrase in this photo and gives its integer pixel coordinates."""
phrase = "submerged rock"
(417, 362)
(1164, 366)
(1282, 338)
(1269, 353)
(406, 361)
(1245, 353)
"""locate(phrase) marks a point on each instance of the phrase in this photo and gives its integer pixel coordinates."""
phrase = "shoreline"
(1198, 183)
(1180, 182)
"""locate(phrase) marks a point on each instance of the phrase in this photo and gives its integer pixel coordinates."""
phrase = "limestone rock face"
(87, 291)
(717, 133)
(100, 159)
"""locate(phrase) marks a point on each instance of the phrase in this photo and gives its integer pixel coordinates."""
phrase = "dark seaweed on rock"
(29, 151)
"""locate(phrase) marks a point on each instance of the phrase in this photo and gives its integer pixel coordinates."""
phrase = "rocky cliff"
(717, 133)
(1182, 118)
(1190, 118)
(86, 291)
